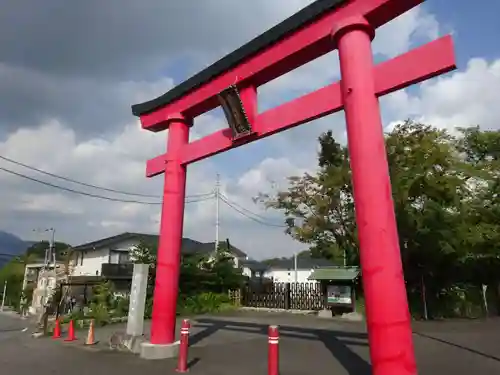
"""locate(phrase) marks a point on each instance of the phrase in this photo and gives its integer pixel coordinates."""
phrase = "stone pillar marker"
(135, 323)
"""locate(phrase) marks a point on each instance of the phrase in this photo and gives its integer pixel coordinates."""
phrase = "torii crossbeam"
(325, 25)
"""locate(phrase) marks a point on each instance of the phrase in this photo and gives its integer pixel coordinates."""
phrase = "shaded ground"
(10, 326)
(238, 344)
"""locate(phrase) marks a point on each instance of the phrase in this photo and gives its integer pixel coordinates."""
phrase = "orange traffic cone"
(71, 332)
(90, 335)
(57, 330)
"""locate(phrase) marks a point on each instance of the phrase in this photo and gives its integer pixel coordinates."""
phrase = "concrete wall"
(288, 276)
(91, 263)
(92, 260)
(46, 286)
(246, 271)
(238, 260)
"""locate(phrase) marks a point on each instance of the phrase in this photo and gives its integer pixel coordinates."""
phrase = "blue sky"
(474, 31)
(475, 24)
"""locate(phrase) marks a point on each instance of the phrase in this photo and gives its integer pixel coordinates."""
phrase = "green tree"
(144, 253)
(445, 192)
(13, 271)
(319, 209)
(102, 302)
(430, 191)
(13, 274)
(38, 249)
(199, 273)
(481, 228)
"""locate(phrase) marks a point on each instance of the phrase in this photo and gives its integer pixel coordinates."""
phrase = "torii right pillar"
(387, 314)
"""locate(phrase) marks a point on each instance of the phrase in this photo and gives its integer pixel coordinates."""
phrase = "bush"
(204, 303)
(458, 301)
(75, 316)
(121, 306)
(100, 314)
(148, 309)
(102, 303)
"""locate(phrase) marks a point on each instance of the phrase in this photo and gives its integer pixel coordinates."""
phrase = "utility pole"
(4, 294)
(217, 222)
(296, 275)
(52, 247)
(50, 253)
(50, 260)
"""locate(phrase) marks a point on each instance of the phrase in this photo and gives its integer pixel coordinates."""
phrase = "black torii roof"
(305, 16)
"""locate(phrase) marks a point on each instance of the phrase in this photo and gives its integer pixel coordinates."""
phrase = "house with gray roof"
(110, 257)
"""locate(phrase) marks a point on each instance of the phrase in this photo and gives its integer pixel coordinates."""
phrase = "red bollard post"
(183, 348)
(273, 353)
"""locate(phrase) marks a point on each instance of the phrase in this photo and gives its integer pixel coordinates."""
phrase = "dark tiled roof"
(335, 273)
(254, 265)
(302, 263)
(110, 241)
(234, 250)
(189, 246)
(305, 16)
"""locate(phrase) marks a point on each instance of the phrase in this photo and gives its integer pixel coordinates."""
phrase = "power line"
(87, 184)
(256, 217)
(200, 199)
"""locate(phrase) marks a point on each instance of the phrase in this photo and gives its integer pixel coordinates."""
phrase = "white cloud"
(116, 163)
(270, 172)
(463, 98)
(400, 34)
(48, 202)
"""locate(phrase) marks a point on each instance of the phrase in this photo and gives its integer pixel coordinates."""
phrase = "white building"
(43, 279)
(253, 269)
(104, 257)
(284, 271)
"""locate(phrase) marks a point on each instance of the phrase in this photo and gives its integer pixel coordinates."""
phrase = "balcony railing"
(117, 271)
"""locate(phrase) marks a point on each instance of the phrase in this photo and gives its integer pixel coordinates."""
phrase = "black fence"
(73, 295)
(288, 296)
(117, 271)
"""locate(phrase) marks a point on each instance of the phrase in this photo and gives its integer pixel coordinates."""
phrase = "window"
(123, 257)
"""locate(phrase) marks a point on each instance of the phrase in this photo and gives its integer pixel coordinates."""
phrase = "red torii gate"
(325, 25)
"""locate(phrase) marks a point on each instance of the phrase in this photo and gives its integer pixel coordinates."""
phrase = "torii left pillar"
(163, 344)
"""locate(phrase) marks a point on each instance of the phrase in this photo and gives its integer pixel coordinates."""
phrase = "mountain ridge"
(11, 246)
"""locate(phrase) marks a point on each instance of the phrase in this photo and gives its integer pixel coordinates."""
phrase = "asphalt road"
(10, 327)
(21, 354)
(238, 344)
